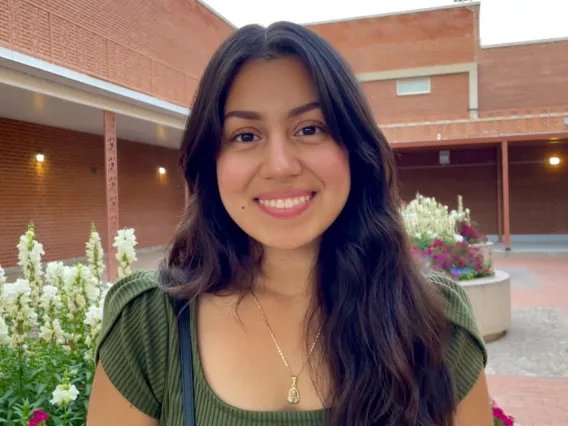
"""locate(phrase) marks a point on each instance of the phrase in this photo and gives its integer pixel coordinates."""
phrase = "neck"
(288, 273)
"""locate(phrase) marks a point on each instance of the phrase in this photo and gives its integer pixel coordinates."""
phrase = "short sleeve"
(134, 340)
(466, 354)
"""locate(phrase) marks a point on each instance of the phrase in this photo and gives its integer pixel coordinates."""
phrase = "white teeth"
(285, 203)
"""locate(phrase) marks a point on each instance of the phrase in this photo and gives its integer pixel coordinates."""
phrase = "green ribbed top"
(139, 351)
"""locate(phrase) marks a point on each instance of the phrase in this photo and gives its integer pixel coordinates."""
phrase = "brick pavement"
(528, 368)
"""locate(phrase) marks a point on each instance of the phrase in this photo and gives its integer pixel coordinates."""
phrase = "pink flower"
(500, 415)
(38, 418)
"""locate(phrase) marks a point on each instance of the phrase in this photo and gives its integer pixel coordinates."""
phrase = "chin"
(288, 241)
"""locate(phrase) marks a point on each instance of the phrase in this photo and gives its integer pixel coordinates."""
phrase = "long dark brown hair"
(384, 332)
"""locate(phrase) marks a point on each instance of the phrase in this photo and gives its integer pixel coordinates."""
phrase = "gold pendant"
(294, 393)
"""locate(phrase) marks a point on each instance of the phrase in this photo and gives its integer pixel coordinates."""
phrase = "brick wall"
(538, 200)
(445, 36)
(539, 195)
(449, 96)
(472, 174)
(158, 47)
(511, 78)
(66, 193)
(523, 76)
(408, 40)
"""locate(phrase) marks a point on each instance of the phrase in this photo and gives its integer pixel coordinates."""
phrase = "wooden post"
(111, 173)
(506, 206)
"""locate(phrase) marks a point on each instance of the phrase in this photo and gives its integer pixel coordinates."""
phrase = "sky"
(501, 21)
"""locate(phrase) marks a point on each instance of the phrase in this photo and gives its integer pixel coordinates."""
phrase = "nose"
(281, 159)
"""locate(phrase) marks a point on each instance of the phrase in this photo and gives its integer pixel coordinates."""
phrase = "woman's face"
(282, 178)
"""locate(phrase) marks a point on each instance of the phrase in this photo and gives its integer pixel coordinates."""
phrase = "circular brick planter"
(491, 300)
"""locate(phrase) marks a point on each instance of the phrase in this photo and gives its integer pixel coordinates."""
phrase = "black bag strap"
(186, 367)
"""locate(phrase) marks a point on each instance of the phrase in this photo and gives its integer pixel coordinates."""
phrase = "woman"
(306, 306)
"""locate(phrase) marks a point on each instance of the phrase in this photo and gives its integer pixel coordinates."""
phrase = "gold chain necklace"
(293, 393)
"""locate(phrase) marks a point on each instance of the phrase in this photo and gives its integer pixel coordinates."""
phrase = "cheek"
(233, 176)
(332, 168)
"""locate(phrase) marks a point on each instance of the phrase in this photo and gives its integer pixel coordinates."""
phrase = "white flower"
(95, 254)
(54, 274)
(93, 292)
(29, 260)
(17, 290)
(458, 238)
(4, 335)
(50, 299)
(80, 287)
(125, 243)
(52, 332)
(93, 320)
(74, 289)
(2, 282)
(16, 300)
(462, 215)
(425, 218)
(94, 316)
(64, 394)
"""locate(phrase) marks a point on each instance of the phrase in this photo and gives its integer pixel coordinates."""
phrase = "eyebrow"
(253, 115)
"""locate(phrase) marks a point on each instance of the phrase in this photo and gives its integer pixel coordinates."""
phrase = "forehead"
(270, 85)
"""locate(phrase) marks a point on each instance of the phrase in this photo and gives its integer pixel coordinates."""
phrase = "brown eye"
(309, 131)
(246, 137)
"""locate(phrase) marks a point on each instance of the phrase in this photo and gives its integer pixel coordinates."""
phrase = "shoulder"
(138, 318)
(466, 354)
(139, 291)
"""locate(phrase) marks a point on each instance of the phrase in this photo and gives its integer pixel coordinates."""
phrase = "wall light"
(161, 170)
(40, 158)
(554, 161)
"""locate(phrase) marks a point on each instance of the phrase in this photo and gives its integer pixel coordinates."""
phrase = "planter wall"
(491, 300)
(486, 249)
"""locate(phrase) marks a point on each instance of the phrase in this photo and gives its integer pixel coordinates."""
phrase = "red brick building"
(500, 113)
(100, 92)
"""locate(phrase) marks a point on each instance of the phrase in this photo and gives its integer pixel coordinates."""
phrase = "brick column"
(111, 173)
(499, 195)
(506, 209)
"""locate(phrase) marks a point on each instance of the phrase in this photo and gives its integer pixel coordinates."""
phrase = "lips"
(285, 203)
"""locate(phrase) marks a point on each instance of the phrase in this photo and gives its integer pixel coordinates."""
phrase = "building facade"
(94, 97)
(484, 122)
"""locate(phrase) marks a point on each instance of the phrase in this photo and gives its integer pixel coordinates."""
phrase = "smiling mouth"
(286, 203)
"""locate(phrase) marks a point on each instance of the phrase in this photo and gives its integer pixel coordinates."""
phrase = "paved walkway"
(528, 368)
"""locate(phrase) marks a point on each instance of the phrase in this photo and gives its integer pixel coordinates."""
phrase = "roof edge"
(217, 13)
(403, 12)
(15, 63)
(525, 42)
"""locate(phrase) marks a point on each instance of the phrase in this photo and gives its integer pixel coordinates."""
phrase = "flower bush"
(50, 319)
(464, 225)
(442, 239)
(427, 220)
(458, 259)
(499, 416)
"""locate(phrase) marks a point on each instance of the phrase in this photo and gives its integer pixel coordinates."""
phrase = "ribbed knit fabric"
(139, 351)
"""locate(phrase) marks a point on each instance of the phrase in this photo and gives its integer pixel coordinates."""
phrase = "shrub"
(49, 325)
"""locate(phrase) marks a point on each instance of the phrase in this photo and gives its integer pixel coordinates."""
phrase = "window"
(413, 86)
